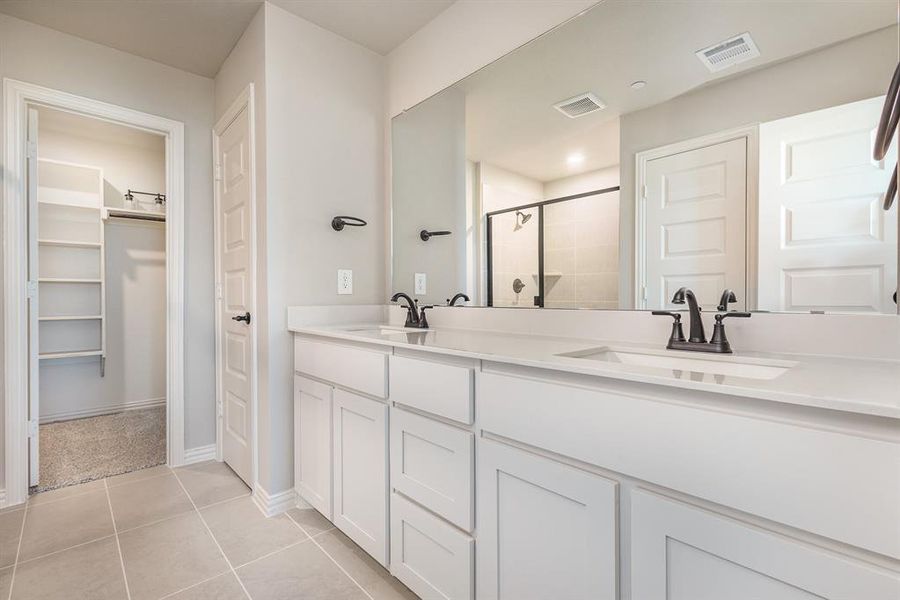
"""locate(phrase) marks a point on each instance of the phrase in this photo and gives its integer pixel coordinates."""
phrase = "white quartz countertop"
(862, 386)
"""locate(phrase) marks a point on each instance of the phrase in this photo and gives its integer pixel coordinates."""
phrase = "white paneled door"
(235, 288)
(825, 243)
(695, 205)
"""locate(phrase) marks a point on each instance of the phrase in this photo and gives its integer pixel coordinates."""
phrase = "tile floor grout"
(232, 568)
(325, 552)
(112, 516)
(219, 546)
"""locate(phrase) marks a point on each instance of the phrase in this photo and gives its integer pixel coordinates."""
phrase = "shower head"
(524, 219)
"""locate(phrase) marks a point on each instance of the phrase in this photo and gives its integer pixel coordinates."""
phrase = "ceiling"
(510, 120)
(379, 25)
(197, 35)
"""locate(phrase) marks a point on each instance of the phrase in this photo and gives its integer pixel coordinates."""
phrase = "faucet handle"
(677, 332)
(721, 316)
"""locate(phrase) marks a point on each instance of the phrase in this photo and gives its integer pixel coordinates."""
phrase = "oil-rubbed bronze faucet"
(697, 340)
(415, 317)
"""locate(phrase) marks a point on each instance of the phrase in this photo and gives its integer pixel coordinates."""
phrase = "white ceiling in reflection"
(510, 120)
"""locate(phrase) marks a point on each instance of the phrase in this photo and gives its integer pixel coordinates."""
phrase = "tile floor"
(191, 533)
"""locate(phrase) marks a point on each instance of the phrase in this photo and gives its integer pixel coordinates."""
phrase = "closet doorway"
(94, 366)
(98, 246)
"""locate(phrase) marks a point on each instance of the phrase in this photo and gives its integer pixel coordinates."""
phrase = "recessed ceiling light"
(636, 85)
(575, 158)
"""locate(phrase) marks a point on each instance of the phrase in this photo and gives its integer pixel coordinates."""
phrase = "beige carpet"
(86, 449)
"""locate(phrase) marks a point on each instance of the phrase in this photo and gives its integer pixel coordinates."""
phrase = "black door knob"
(244, 317)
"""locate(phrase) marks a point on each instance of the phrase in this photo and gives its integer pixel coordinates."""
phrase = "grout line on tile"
(273, 552)
(12, 580)
(105, 537)
(193, 585)
(112, 517)
(215, 541)
(339, 566)
(77, 495)
(169, 518)
(169, 472)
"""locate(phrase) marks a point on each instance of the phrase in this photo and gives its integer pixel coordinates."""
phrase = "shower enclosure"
(560, 253)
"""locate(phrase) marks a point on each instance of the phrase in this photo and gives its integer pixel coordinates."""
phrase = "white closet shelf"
(69, 243)
(72, 318)
(70, 354)
(68, 205)
(67, 280)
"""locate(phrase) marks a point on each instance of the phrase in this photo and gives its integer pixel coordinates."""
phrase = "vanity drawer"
(352, 367)
(442, 389)
(830, 483)
(433, 559)
(433, 464)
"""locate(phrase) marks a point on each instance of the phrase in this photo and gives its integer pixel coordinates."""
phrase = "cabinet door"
(545, 529)
(312, 443)
(360, 472)
(682, 552)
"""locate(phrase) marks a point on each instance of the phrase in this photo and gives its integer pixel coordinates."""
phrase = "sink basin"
(673, 360)
(384, 329)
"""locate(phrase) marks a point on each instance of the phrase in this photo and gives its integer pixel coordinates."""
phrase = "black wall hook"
(426, 235)
(338, 223)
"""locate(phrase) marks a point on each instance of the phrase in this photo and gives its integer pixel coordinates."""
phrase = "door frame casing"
(245, 99)
(18, 95)
(750, 133)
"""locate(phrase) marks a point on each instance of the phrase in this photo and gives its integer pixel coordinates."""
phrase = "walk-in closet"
(100, 247)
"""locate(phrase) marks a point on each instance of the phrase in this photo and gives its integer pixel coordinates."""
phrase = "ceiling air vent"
(580, 105)
(725, 54)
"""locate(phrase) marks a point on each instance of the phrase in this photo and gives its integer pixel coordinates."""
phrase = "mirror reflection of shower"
(521, 219)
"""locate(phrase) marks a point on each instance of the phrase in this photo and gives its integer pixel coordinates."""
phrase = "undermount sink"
(728, 366)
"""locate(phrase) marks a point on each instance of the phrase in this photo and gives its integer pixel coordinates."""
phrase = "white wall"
(135, 279)
(46, 57)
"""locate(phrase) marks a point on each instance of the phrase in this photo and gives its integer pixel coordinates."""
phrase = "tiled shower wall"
(581, 252)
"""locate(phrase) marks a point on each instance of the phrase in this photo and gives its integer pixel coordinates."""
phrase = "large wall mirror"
(645, 146)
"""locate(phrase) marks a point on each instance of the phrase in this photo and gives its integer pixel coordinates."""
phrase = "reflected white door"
(825, 243)
(235, 282)
(695, 205)
(33, 349)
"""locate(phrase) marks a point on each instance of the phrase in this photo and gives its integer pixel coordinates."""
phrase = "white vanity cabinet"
(545, 529)
(475, 479)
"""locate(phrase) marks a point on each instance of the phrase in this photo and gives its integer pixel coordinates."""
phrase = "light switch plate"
(421, 284)
(345, 281)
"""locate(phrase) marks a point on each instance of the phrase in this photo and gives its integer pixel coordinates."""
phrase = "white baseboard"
(274, 504)
(101, 410)
(199, 454)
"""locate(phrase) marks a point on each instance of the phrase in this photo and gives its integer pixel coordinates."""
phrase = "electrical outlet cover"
(421, 284)
(344, 281)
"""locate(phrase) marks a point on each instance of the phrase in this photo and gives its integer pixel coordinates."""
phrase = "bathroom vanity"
(485, 465)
